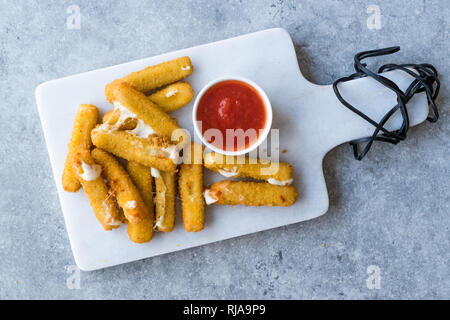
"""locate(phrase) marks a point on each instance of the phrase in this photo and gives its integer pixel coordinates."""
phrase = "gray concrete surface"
(390, 210)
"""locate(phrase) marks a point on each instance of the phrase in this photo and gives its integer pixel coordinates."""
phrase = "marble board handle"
(339, 125)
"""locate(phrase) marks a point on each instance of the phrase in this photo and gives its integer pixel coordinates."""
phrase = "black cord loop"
(425, 80)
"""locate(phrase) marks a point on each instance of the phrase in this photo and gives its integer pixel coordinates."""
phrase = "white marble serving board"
(310, 118)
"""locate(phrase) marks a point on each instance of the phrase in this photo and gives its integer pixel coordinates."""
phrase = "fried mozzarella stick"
(85, 121)
(155, 76)
(100, 197)
(190, 184)
(140, 219)
(142, 231)
(155, 152)
(164, 200)
(230, 192)
(107, 116)
(276, 173)
(136, 104)
(143, 180)
(173, 97)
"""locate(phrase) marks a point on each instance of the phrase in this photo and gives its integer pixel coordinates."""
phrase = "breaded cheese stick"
(276, 173)
(173, 97)
(100, 197)
(129, 100)
(228, 192)
(143, 180)
(168, 99)
(142, 231)
(190, 184)
(152, 152)
(85, 121)
(128, 197)
(156, 76)
(107, 116)
(164, 200)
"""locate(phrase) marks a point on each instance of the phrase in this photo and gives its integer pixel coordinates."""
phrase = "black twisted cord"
(425, 79)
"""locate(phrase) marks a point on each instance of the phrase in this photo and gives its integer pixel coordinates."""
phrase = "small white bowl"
(262, 136)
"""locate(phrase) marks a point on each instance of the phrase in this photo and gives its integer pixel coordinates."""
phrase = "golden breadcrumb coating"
(153, 152)
(173, 97)
(85, 120)
(190, 184)
(156, 76)
(228, 192)
(245, 167)
(107, 116)
(165, 201)
(143, 180)
(145, 110)
(100, 197)
(128, 196)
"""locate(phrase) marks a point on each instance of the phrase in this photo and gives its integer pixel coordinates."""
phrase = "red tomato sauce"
(232, 104)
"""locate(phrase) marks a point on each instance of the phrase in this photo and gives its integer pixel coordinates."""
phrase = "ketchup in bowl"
(232, 104)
